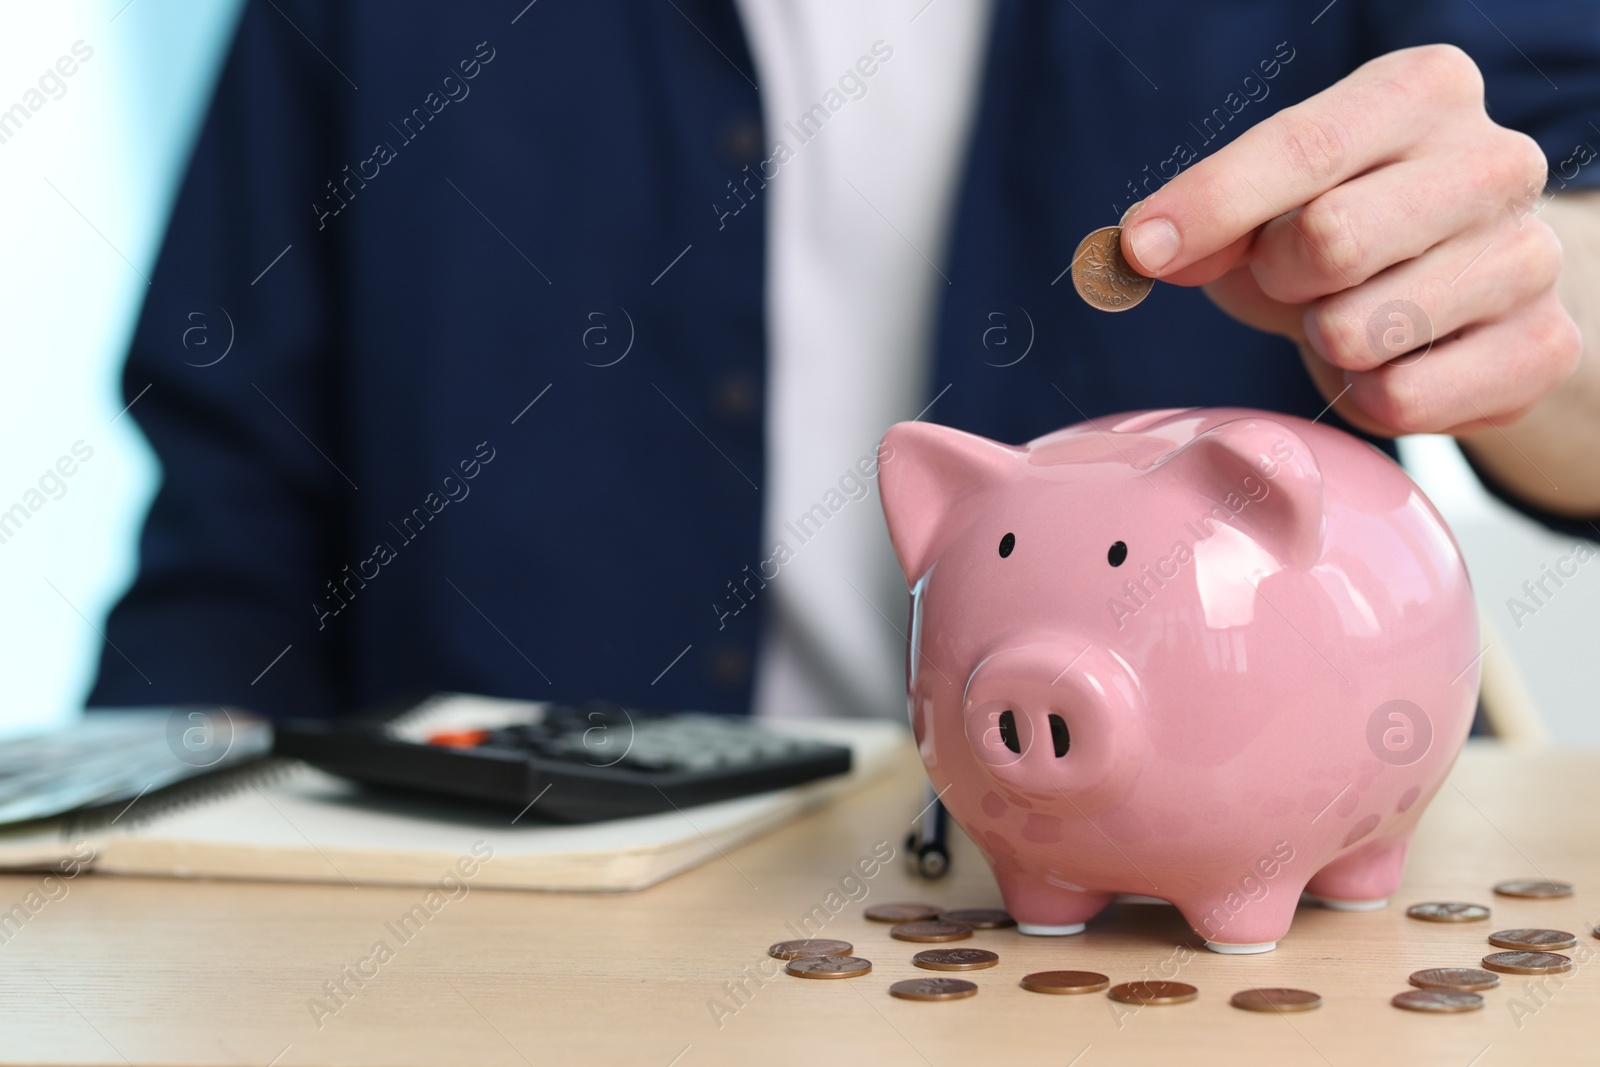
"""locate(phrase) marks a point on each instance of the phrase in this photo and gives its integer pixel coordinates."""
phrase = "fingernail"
(1310, 322)
(1154, 243)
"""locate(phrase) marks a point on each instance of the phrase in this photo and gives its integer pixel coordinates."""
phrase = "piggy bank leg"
(1047, 910)
(1364, 879)
(1236, 925)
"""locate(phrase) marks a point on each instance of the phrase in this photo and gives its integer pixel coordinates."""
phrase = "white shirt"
(867, 108)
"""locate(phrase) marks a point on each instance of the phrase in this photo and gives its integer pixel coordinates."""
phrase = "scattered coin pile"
(1276, 1000)
(1533, 940)
(1065, 982)
(1449, 912)
(1462, 979)
(824, 958)
(979, 918)
(1540, 889)
(1153, 992)
(901, 913)
(934, 989)
(1437, 1000)
(829, 967)
(955, 959)
(932, 930)
(810, 947)
(1529, 951)
(1456, 989)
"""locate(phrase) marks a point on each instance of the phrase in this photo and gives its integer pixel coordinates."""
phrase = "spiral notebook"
(283, 820)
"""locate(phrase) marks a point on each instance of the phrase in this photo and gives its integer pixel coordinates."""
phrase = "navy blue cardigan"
(429, 231)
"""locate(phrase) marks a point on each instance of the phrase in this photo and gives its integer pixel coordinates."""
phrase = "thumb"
(1199, 272)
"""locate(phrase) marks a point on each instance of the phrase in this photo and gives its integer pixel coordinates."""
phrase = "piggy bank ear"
(1264, 475)
(927, 475)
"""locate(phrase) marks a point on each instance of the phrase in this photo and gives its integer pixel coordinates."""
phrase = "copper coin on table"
(1448, 912)
(955, 959)
(901, 913)
(930, 931)
(1466, 979)
(1534, 887)
(1528, 962)
(1064, 982)
(1153, 992)
(1437, 1000)
(829, 967)
(979, 918)
(1533, 939)
(1276, 1000)
(811, 946)
(1101, 273)
(933, 989)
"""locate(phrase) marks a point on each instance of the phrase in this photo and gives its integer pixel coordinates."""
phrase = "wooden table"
(150, 971)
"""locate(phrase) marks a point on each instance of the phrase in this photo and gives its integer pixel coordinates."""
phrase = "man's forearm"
(1551, 456)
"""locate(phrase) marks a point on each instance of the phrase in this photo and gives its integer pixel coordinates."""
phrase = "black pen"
(929, 852)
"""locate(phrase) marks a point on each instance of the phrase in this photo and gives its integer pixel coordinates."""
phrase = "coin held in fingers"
(811, 946)
(955, 959)
(1063, 983)
(1539, 940)
(1101, 273)
(1448, 912)
(1444, 1001)
(1466, 979)
(829, 967)
(934, 989)
(930, 931)
(901, 913)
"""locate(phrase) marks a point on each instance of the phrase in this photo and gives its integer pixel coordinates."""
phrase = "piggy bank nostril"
(1008, 731)
(1059, 735)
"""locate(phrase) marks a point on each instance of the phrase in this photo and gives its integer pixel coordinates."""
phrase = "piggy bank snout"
(1007, 727)
(1056, 719)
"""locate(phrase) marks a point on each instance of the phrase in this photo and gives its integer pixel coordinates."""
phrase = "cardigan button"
(739, 142)
(728, 666)
(736, 399)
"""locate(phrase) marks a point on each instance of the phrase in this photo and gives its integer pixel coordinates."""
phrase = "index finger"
(1281, 163)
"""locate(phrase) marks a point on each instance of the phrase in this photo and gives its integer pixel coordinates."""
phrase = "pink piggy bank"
(1213, 656)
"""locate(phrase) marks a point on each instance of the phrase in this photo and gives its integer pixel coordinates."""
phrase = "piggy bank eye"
(1117, 554)
(1007, 543)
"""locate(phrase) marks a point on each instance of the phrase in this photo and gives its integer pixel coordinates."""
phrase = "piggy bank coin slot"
(1059, 735)
(1008, 731)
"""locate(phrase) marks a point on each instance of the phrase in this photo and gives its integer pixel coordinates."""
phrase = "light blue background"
(87, 184)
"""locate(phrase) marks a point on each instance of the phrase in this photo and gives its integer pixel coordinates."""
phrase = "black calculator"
(559, 762)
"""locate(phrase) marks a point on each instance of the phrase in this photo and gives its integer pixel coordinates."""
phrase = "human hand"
(1387, 226)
